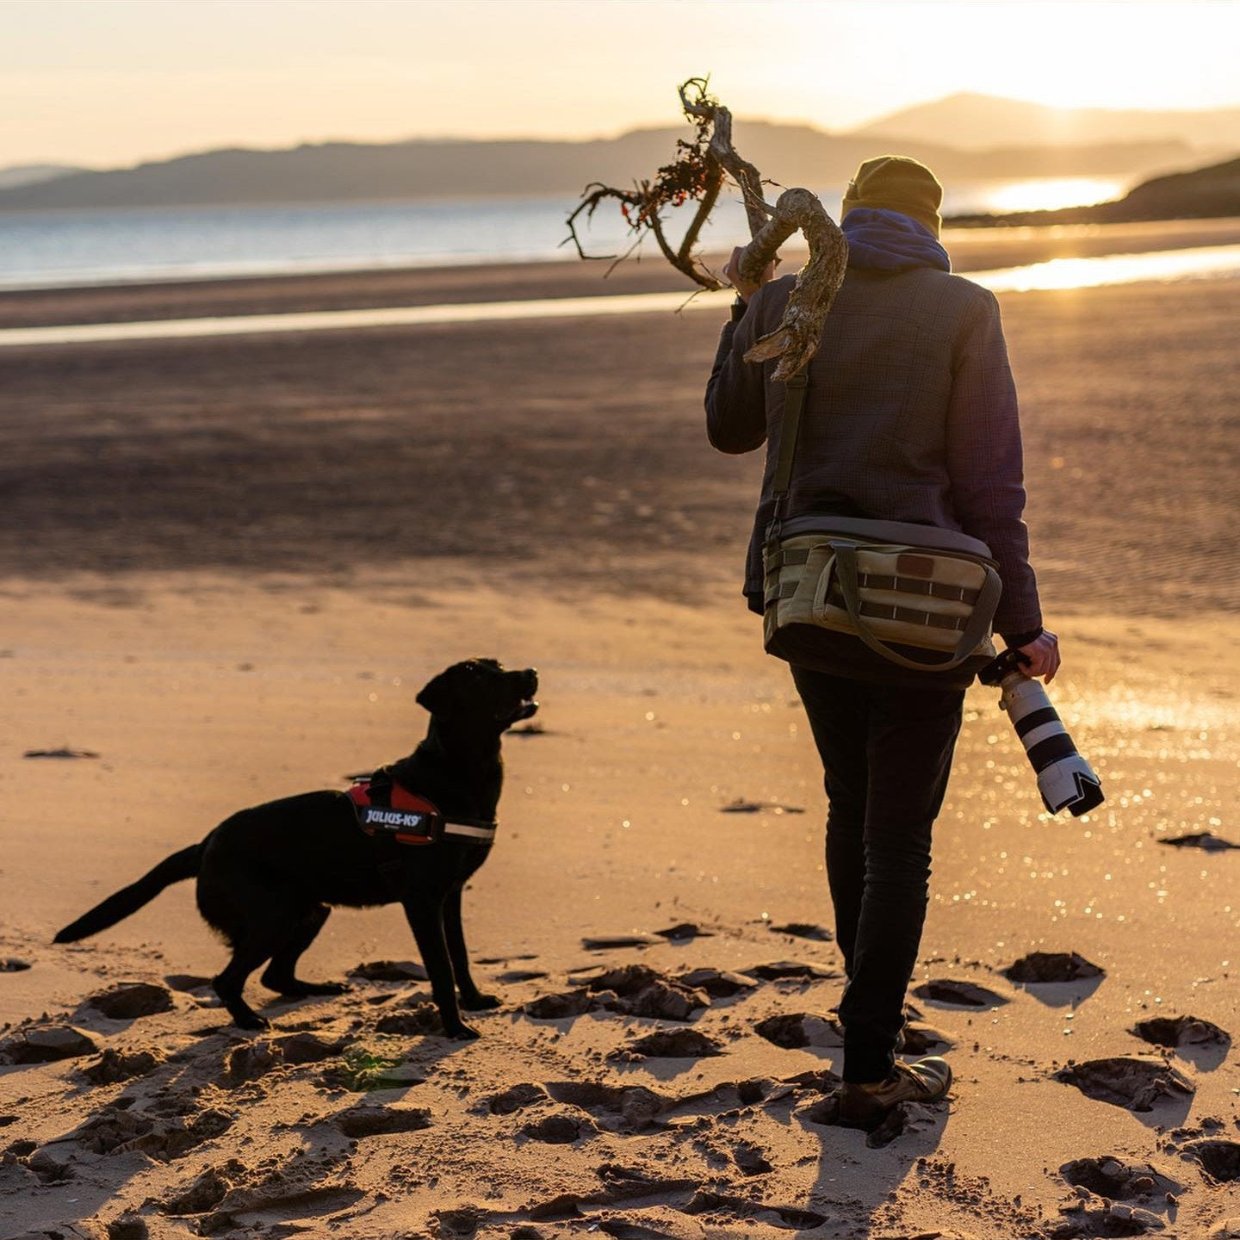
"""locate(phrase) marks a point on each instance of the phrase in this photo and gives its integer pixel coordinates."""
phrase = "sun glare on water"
(1052, 193)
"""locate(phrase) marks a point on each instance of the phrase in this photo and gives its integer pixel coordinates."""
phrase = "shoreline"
(373, 288)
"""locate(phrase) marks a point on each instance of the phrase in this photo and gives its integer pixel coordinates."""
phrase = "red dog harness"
(411, 819)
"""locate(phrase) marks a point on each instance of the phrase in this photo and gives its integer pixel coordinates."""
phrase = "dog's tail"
(174, 869)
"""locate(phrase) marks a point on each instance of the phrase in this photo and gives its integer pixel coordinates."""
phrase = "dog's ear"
(436, 696)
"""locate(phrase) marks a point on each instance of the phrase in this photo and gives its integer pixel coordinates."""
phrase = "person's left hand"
(744, 288)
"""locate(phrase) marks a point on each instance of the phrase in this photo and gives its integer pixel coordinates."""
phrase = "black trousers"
(886, 753)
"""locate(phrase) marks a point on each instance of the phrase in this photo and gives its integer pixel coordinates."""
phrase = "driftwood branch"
(694, 176)
(796, 338)
(697, 175)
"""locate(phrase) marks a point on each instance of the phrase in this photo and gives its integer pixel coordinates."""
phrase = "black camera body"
(1065, 779)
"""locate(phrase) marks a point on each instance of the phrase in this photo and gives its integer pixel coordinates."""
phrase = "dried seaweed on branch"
(697, 175)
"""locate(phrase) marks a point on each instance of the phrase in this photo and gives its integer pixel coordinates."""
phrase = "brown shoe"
(866, 1106)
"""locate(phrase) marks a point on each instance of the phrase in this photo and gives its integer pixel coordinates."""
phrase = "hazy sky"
(109, 82)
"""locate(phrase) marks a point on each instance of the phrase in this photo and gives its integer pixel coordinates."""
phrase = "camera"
(1065, 779)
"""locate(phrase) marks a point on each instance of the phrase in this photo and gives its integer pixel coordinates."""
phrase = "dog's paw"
(462, 1033)
(252, 1022)
(478, 1002)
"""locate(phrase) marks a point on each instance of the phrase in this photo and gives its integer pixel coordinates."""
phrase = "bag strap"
(974, 633)
(794, 403)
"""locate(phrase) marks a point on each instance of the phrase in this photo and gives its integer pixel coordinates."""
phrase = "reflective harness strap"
(414, 819)
(471, 829)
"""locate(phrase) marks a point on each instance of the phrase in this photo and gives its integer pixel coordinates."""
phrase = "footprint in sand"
(618, 1184)
(670, 1044)
(617, 1108)
(303, 1183)
(1181, 1031)
(954, 993)
(248, 1062)
(743, 806)
(11, 964)
(1219, 1159)
(751, 1159)
(457, 1223)
(513, 976)
(205, 1191)
(562, 1128)
(1041, 967)
(187, 982)
(560, 1006)
(114, 1065)
(515, 1099)
(1133, 1083)
(128, 1226)
(805, 930)
(390, 971)
(641, 991)
(633, 989)
(132, 1000)
(116, 1129)
(306, 1047)
(611, 942)
(1206, 840)
(717, 983)
(792, 970)
(1117, 1180)
(1084, 1222)
(375, 1121)
(684, 932)
(797, 1029)
(419, 1019)
(46, 1044)
(706, 1201)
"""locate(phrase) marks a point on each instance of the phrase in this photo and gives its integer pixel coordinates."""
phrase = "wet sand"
(972, 249)
(229, 565)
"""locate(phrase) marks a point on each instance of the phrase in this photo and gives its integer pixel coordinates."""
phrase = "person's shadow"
(858, 1171)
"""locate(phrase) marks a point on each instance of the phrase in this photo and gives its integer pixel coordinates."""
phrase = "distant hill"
(345, 171)
(1203, 193)
(33, 174)
(978, 122)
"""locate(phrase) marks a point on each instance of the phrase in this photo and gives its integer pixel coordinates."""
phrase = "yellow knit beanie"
(897, 183)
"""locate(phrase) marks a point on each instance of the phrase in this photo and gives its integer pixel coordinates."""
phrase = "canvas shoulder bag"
(890, 584)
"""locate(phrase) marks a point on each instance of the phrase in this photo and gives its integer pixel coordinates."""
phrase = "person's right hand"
(744, 289)
(1043, 657)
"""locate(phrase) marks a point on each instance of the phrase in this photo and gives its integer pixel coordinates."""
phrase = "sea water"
(76, 247)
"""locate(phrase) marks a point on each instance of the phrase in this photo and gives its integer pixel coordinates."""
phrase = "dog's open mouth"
(524, 684)
(526, 709)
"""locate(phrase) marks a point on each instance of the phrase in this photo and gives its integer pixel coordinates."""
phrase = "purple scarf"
(883, 240)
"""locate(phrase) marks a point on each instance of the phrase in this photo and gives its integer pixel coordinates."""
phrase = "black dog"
(267, 875)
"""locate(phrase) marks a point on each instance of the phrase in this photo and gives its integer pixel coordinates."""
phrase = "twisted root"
(796, 338)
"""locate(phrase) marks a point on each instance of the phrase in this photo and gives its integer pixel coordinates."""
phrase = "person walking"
(910, 415)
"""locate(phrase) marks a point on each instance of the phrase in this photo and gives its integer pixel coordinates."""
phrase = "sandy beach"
(229, 564)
